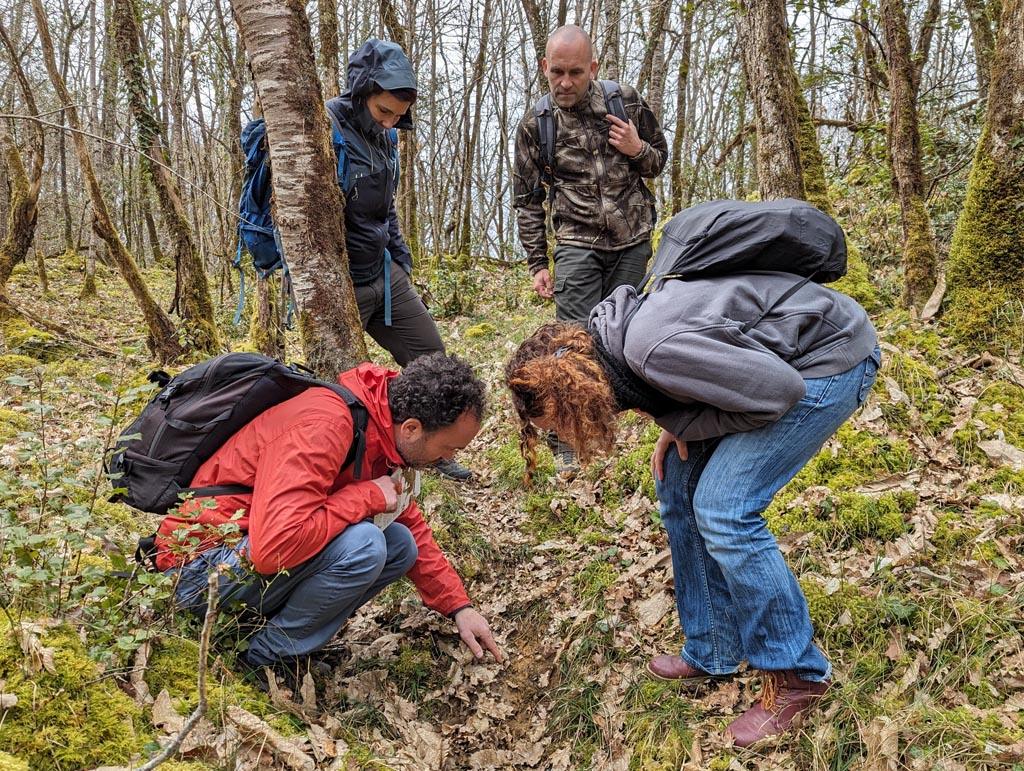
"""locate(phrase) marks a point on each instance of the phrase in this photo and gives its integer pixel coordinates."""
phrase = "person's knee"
(360, 548)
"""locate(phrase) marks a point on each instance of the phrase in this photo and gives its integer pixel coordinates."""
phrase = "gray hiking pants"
(412, 332)
(583, 277)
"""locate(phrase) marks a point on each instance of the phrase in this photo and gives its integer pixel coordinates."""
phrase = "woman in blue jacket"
(381, 89)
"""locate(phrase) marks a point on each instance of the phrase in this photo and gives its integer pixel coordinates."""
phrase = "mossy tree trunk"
(986, 260)
(308, 206)
(811, 161)
(23, 196)
(405, 197)
(984, 42)
(327, 32)
(683, 129)
(763, 35)
(195, 303)
(162, 338)
(904, 150)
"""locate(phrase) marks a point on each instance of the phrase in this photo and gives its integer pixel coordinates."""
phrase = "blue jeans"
(304, 607)
(737, 599)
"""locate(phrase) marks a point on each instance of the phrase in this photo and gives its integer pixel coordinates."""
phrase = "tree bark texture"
(986, 261)
(194, 291)
(768, 67)
(904, 149)
(23, 194)
(162, 338)
(682, 109)
(327, 33)
(308, 207)
(21, 218)
(984, 42)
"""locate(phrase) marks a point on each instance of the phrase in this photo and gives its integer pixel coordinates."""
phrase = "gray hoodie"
(685, 340)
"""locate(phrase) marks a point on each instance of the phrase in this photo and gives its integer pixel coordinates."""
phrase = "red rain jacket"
(291, 456)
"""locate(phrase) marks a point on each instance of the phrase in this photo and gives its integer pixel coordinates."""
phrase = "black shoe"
(287, 674)
(450, 469)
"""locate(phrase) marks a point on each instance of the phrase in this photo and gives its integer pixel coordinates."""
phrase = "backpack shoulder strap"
(338, 142)
(613, 99)
(360, 419)
(393, 139)
(545, 133)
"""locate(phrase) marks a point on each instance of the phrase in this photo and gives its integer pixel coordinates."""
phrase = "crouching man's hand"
(475, 633)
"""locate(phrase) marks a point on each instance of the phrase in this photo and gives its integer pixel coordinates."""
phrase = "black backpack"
(546, 130)
(717, 238)
(195, 412)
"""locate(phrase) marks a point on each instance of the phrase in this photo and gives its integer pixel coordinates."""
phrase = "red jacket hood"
(369, 382)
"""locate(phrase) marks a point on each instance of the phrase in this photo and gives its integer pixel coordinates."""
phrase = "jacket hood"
(609, 317)
(369, 383)
(381, 62)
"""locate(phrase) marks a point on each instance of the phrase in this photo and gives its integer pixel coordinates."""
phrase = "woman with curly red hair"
(745, 398)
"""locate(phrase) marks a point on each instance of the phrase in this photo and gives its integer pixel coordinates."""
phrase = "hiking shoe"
(785, 701)
(287, 675)
(450, 469)
(674, 669)
(566, 467)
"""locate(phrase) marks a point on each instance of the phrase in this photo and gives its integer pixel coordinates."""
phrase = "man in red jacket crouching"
(312, 542)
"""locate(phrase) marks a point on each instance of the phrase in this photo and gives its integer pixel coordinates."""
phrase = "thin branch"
(212, 584)
(124, 146)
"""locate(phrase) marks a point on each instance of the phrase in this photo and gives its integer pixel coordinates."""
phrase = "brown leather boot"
(785, 701)
(674, 669)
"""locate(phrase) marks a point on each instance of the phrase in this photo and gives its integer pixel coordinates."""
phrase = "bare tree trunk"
(764, 42)
(538, 31)
(610, 54)
(986, 260)
(24, 186)
(682, 129)
(656, 39)
(162, 339)
(327, 32)
(984, 42)
(904, 148)
(308, 206)
(195, 303)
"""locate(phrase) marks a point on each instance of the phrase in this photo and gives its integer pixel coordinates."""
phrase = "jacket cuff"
(456, 612)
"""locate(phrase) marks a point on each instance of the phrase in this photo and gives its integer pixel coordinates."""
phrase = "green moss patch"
(72, 719)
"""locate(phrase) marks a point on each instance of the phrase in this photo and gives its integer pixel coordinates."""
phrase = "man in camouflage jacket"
(601, 211)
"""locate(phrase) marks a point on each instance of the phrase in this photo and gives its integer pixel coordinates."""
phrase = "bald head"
(571, 36)
(569, 65)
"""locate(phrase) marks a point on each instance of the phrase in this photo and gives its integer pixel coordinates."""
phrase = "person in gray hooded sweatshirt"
(741, 412)
(381, 89)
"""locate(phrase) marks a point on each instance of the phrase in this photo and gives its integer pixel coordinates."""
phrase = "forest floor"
(905, 533)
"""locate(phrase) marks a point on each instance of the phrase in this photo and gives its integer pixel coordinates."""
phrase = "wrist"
(643, 146)
(457, 611)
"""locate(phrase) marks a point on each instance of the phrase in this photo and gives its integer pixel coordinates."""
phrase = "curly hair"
(555, 374)
(436, 390)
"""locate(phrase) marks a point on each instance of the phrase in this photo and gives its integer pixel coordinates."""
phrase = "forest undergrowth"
(905, 533)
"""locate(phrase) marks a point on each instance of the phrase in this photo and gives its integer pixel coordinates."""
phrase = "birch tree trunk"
(194, 292)
(308, 207)
(764, 44)
(986, 260)
(904, 149)
(162, 338)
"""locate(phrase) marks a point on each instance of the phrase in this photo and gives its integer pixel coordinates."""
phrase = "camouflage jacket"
(600, 199)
